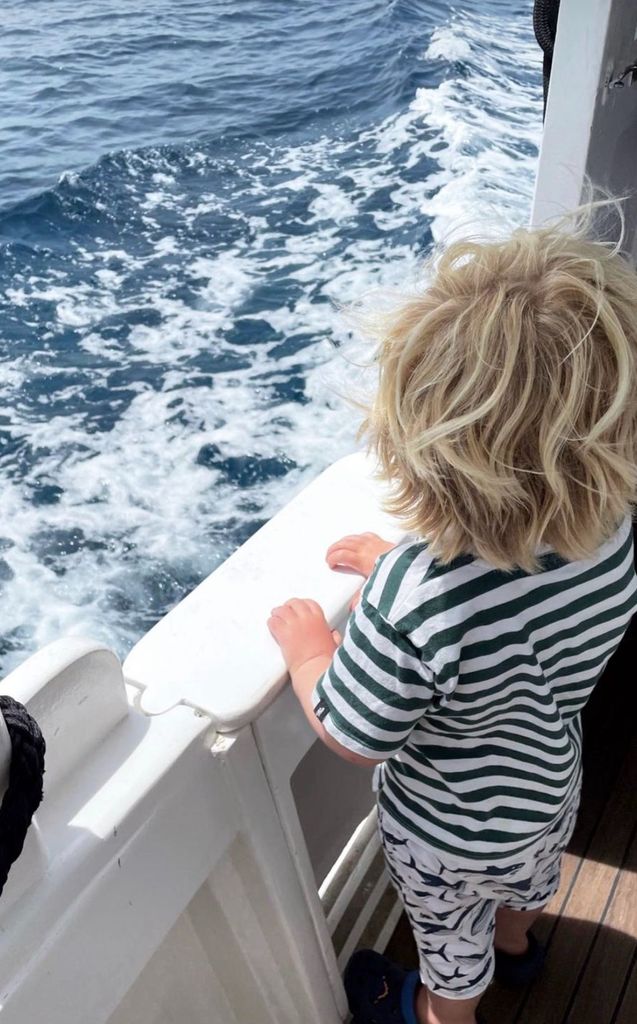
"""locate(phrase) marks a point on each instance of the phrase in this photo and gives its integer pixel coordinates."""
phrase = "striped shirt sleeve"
(376, 689)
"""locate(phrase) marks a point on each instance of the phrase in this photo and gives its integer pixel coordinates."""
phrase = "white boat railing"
(190, 815)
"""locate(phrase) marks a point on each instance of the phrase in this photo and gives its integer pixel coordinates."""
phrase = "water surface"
(188, 192)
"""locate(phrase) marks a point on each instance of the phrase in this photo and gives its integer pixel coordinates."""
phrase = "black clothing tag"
(321, 710)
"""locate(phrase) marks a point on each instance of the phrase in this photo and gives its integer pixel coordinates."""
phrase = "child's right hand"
(357, 553)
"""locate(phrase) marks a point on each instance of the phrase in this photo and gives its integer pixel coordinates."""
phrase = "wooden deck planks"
(586, 905)
(627, 1010)
(608, 966)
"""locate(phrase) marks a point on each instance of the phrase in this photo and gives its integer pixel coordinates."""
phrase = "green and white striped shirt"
(470, 681)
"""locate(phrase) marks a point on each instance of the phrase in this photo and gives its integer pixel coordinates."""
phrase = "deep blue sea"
(189, 192)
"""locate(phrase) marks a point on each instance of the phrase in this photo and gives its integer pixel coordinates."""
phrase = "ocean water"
(189, 193)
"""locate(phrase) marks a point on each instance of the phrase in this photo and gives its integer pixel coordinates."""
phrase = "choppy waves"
(172, 352)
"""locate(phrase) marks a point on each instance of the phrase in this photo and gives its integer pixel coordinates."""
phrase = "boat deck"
(591, 926)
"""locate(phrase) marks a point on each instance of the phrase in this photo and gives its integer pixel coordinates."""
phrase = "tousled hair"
(506, 411)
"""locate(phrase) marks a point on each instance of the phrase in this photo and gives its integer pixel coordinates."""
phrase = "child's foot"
(378, 991)
(516, 971)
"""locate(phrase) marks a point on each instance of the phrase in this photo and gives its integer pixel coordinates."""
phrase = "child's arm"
(307, 644)
(361, 696)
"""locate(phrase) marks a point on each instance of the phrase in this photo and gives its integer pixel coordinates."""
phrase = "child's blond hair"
(506, 414)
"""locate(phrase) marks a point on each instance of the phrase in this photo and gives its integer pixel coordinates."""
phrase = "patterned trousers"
(452, 909)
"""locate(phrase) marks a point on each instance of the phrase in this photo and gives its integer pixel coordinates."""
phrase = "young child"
(506, 419)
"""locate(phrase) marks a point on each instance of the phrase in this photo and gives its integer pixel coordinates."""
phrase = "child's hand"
(302, 632)
(357, 553)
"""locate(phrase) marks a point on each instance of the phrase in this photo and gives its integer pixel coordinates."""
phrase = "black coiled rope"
(24, 792)
(545, 13)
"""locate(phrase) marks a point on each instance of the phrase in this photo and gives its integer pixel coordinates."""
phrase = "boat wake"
(174, 359)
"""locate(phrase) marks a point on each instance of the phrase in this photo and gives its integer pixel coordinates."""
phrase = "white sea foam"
(448, 44)
(332, 203)
(228, 278)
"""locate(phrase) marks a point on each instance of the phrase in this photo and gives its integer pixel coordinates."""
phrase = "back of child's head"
(506, 414)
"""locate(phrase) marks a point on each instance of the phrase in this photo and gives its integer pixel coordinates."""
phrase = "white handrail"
(213, 651)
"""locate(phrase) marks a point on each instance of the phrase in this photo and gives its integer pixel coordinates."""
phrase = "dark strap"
(24, 792)
(545, 14)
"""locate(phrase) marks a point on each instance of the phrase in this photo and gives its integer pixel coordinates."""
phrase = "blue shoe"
(518, 971)
(378, 991)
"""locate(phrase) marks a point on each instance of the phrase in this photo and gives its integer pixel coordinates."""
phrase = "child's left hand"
(302, 632)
